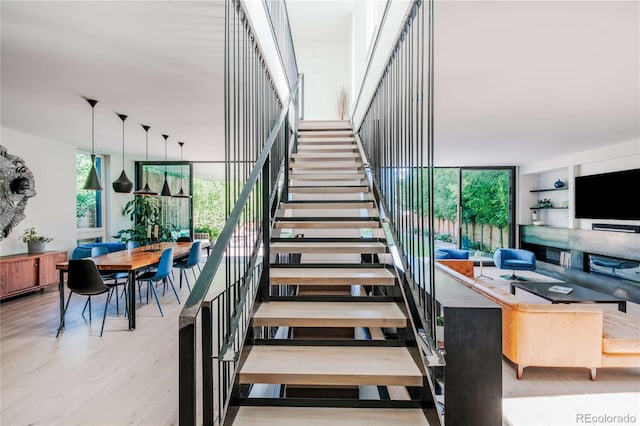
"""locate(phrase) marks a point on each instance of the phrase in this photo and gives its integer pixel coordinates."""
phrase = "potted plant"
(145, 214)
(439, 329)
(35, 243)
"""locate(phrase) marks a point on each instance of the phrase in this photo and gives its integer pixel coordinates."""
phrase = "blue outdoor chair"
(516, 260)
(191, 262)
(162, 273)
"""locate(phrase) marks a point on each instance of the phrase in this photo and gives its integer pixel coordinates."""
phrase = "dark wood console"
(23, 273)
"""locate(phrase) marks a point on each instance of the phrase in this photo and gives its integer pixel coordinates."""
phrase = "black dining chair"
(84, 279)
(115, 277)
(183, 240)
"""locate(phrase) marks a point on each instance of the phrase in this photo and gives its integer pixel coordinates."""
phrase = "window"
(89, 204)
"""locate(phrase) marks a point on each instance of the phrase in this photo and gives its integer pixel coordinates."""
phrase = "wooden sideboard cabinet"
(22, 273)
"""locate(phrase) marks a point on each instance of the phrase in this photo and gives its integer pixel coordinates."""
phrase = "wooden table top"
(132, 259)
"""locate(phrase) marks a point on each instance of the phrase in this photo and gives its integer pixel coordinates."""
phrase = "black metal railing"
(279, 17)
(397, 137)
(258, 135)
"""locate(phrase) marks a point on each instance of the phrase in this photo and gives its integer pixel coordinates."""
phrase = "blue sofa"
(84, 250)
(451, 253)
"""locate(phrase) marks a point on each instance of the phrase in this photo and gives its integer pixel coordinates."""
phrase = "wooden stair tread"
(328, 148)
(328, 247)
(318, 224)
(349, 189)
(325, 183)
(322, 416)
(308, 139)
(331, 276)
(327, 365)
(324, 133)
(330, 314)
(315, 164)
(319, 205)
(324, 125)
(326, 155)
(326, 176)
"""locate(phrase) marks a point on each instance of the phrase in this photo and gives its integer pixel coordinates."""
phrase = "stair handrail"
(187, 319)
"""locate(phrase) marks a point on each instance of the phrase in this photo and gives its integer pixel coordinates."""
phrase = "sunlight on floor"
(592, 409)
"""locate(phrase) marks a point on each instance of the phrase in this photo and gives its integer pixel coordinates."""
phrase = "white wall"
(53, 210)
(327, 69)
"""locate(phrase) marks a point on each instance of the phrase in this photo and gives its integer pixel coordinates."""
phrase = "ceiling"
(159, 62)
(516, 81)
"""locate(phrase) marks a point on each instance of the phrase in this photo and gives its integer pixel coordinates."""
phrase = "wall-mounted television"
(613, 195)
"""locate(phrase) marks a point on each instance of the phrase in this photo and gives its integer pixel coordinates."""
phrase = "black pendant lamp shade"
(146, 190)
(181, 193)
(123, 184)
(93, 181)
(166, 192)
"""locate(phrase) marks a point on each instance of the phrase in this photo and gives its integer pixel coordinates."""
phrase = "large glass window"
(486, 199)
(89, 204)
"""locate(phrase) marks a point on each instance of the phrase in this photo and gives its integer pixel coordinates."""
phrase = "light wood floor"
(131, 377)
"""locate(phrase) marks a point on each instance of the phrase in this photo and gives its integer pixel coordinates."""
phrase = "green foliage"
(85, 199)
(209, 206)
(30, 234)
(144, 212)
(440, 320)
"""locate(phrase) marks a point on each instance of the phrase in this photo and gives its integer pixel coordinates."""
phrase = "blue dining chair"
(162, 273)
(191, 262)
(131, 244)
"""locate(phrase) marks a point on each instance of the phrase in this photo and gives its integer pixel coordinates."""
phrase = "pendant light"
(92, 182)
(122, 184)
(166, 192)
(146, 190)
(181, 194)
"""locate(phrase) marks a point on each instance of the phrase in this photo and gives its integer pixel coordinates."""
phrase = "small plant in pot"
(439, 329)
(35, 243)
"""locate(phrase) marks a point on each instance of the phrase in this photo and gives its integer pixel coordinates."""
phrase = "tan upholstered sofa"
(562, 335)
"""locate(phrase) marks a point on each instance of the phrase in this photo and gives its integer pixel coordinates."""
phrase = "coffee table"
(578, 295)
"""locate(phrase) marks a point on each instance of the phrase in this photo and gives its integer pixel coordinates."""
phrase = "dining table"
(131, 261)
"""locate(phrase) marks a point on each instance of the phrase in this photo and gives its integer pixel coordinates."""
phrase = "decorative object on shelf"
(146, 191)
(93, 181)
(181, 193)
(123, 184)
(558, 184)
(342, 103)
(545, 203)
(534, 215)
(35, 243)
(538, 222)
(166, 192)
(17, 186)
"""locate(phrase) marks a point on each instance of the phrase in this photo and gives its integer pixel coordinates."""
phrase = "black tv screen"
(608, 196)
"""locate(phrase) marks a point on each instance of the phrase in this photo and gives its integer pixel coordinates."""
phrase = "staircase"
(332, 342)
